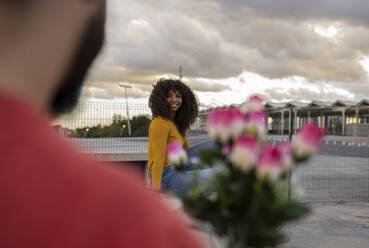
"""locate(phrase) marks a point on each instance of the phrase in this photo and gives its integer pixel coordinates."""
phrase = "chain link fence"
(117, 132)
(112, 131)
(338, 172)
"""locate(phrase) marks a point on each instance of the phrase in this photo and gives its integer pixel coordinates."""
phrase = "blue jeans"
(180, 181)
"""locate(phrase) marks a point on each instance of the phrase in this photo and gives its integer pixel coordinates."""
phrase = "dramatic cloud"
(355, 12)
(305, 94)
(108, 91)
(218, 39)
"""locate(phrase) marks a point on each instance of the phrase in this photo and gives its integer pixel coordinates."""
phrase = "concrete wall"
(361, 130)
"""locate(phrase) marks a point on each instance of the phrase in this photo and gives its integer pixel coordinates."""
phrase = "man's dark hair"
(19, 7)
(186, 115)
(15, 3)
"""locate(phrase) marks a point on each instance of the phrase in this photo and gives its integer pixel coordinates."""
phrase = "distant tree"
(140, 125)
(118, 128)
(117, 118)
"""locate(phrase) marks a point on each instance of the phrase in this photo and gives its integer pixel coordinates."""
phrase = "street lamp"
(121, 129)
(125, 86)
(86, 131)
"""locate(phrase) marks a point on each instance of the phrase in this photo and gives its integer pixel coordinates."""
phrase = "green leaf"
(208, 157)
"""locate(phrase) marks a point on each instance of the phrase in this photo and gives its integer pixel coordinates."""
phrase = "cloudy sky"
(229, 49)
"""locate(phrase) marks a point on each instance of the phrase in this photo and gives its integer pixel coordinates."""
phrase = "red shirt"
(50, 196)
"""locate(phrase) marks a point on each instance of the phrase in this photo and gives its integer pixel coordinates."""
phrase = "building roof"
(341, 103)
(274, 105)
(364, 102)
(296, 104)
(302, 105)
(320, 104)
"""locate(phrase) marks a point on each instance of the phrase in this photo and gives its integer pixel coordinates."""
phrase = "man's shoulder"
(98, 199)
(50, 185)
(81, 192)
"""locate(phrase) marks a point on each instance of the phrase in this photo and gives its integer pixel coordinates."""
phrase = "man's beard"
(66, 97)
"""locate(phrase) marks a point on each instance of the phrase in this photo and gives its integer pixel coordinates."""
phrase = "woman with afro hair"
(174, 109)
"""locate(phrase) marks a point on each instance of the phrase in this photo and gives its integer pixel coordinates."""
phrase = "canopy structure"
(337, 118)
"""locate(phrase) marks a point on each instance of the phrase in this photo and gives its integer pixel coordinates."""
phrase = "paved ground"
(329, 225)
(332, 225)
(332, 178)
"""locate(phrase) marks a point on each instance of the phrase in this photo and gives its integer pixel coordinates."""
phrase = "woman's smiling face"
(174, 99)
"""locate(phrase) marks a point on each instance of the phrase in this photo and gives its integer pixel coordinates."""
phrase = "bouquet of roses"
(246, 201)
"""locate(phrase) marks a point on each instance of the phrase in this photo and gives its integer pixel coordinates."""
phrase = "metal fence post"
(291, 129)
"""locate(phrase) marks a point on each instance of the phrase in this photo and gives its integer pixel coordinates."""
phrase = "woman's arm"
(158, 138)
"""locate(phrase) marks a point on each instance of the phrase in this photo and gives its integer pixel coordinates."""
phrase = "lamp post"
(180, 75)
(125, 86)
(86, 131)
(122, 129)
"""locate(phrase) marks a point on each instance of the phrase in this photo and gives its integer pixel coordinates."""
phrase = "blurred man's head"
(52, 40)
(92, 40)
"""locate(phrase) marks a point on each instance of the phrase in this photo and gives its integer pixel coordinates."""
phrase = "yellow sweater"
(161, 133)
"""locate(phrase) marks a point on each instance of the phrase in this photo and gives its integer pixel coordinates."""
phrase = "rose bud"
(219, 126)
(177, 156)
(256, 124)
(245, 152)
(270, 162)
(225, 124)
(254, 103)
(237, 119)
(306, 141)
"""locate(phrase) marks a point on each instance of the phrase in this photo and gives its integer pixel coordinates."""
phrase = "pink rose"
(256, 124)
(219, 127)
(307, 141)
(254, 103)
(270, 162)
(245, 152)
(177, 156)
(225, 124)
(237, 119)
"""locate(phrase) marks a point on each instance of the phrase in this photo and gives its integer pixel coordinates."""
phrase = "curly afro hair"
(186, 115)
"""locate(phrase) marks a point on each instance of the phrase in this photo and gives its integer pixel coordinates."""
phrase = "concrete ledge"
(119, 157)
